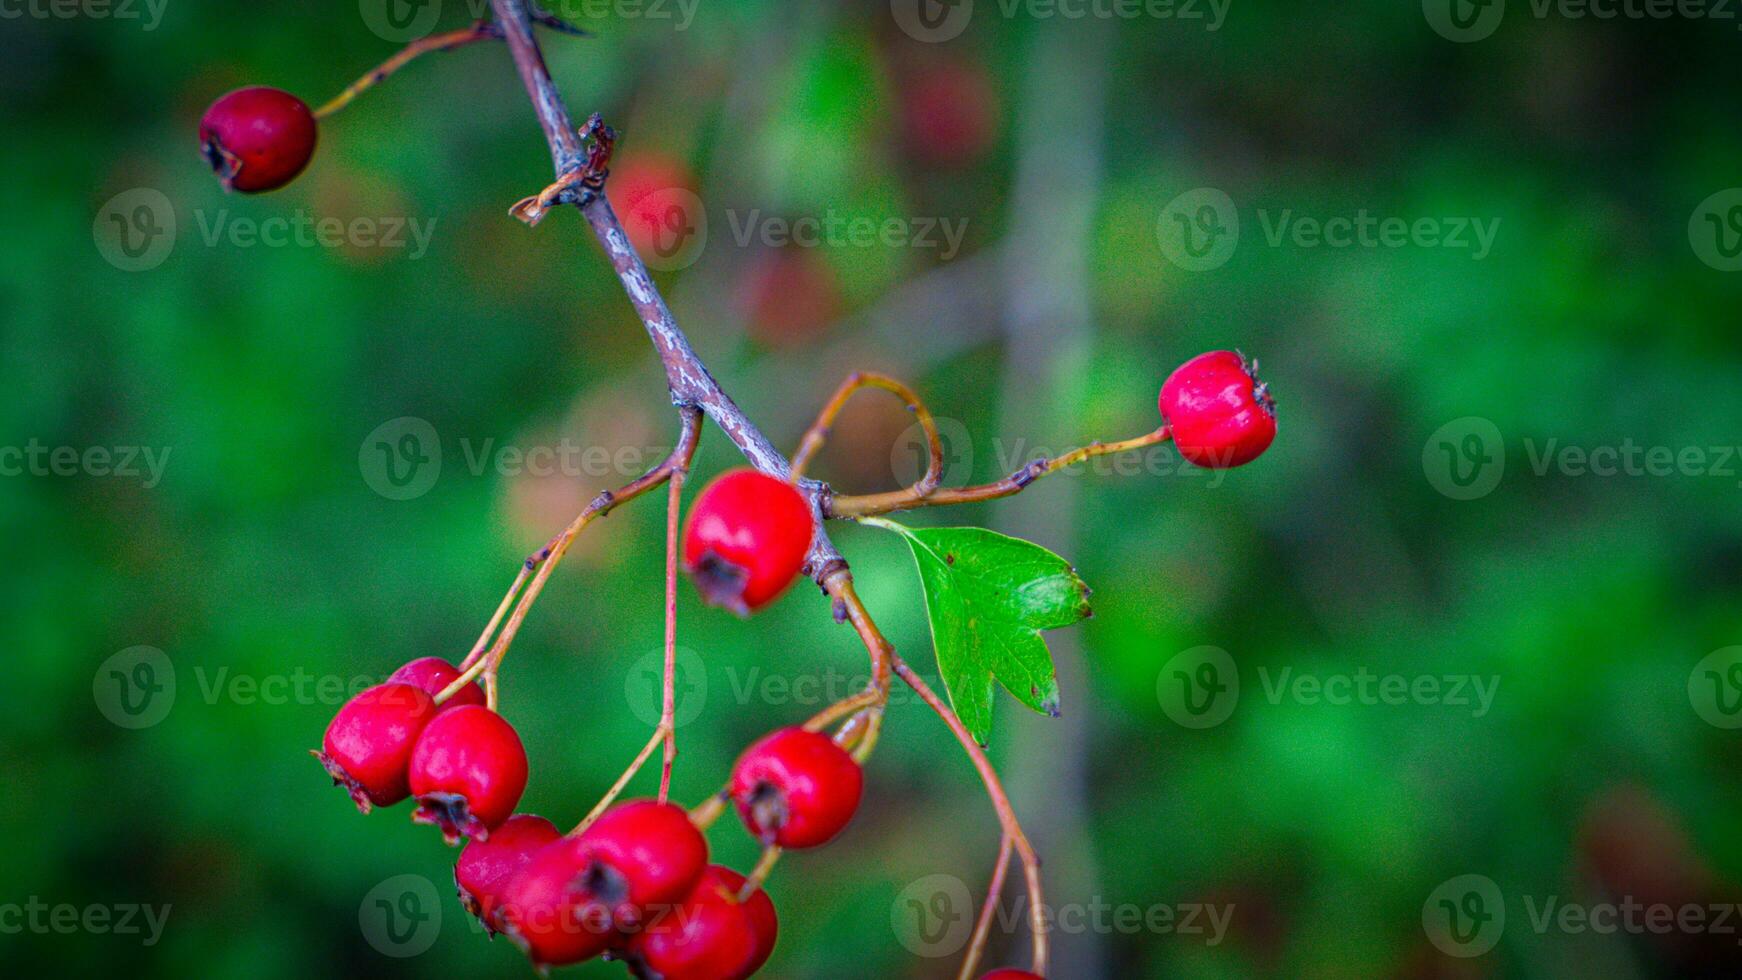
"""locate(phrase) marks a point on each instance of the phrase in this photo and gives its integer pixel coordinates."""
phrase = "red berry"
(1010, 973)
(258, 138)
(746, 539)
(1219, 414)
(710, 935)
(640, 855)
(796, 788)
(574, 898)
(486, 866)
(547, 911)
(368, 745)
(434, 674)
(467, 772)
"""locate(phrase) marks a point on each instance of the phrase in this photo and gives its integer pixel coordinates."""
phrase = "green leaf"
(989, 596)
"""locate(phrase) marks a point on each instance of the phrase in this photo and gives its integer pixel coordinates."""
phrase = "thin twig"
(815, 436)
(983, 926)
(1000, 803)
(869, 505)
(668, 705)
(552, 554)
(622, 782)
(483, 30)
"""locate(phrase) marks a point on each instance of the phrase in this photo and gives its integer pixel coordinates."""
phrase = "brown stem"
(869, 505)
(552, 554)
(819, 430)
(668, 709)
(686, 375)
(483, 30)
(1000, 803)
(622, 782)
(983, 926)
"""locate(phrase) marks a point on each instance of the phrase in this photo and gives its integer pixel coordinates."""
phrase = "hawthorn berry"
(577, 897)
(710, 935)
(434, 674)
(468, 770)
(1219, 413)
(746, 539)
(548, 912)
(640, 855)
(257, 138)
(486, 866)
(368, 745)
(796, 788)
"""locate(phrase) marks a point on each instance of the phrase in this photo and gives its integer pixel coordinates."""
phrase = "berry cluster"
(635, 883)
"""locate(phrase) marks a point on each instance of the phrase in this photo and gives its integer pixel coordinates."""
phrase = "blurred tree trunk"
(1049, 332)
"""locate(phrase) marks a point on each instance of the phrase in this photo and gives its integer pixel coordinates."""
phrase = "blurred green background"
(1419, 516)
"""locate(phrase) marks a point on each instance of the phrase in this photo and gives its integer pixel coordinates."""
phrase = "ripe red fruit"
(1219, 414)
(796, 788)
(710, 935)
(433, 675)
(640, 855)
(746, 539)
(574, 898)
(258, 138)
(547, 911)
(1009, 973)
(369, 743)
(468, 770)
(486, 866)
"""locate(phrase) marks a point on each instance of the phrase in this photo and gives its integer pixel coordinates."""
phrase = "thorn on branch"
(545, 18)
